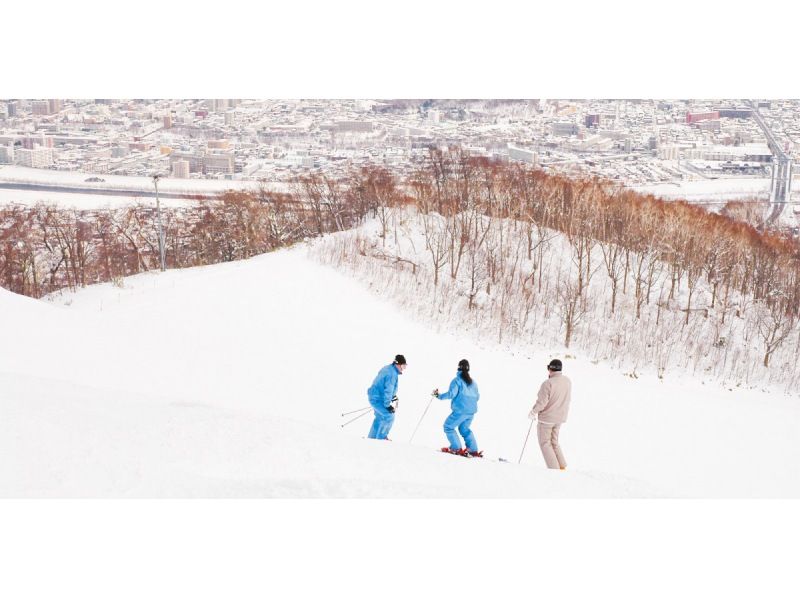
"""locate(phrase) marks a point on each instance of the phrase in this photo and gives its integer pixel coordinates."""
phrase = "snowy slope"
(229, 380)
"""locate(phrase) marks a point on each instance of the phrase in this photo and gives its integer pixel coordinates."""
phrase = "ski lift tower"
(161, 250)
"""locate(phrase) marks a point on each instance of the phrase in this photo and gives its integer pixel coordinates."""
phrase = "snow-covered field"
(58, 181)
(43, 176)
(229, 380)
(710, 190)
(85, 201)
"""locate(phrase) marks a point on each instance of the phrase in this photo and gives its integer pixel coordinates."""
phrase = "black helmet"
(554, 366)
(399, 360)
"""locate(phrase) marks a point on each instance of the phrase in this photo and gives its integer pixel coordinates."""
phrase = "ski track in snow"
(229, 381)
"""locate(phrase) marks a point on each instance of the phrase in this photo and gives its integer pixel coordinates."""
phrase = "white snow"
(229, 380)
(85, 201)
(42, 176)
(58, 180)
(710, 190)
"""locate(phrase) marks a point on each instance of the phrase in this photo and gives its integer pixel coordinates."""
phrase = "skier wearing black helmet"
(463, 394)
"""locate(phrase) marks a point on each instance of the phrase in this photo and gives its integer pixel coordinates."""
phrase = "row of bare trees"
(509, 240)
(620, 272)
(643, 241)
(45, 248)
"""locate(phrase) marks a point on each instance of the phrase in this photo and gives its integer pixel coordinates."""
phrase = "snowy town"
(706, 151)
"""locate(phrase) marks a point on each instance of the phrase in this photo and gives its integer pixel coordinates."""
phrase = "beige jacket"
(554, 395)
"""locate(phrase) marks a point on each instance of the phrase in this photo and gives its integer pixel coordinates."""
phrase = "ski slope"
(229, 381)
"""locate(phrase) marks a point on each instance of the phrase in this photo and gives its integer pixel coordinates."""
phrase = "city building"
(195, 159)
(222, 144)
(709, 125)
(218, 105)
(564, 129)
(592, 120)
(7, 154)
(41, 157)
(141, 146)
(180, 169)
(354, 126)
(669, 152)
(698, 116)
(221, 162)
(40, 107)
(524, 155)
(33, 141)
(735, 113)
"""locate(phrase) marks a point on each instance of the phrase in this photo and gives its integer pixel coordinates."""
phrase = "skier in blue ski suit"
(463, 394)
(382, 394)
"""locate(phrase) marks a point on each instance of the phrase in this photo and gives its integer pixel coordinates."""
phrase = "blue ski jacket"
(464, 396)
(384, 387)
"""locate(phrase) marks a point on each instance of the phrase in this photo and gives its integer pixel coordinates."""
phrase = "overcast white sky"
(415, 48)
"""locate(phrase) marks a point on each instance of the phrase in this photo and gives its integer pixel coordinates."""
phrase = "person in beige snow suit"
(551, 408)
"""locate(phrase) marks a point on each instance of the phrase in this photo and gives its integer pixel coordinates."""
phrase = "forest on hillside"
(506, 250)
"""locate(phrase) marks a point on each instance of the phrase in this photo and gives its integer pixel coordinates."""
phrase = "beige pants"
(548, 442)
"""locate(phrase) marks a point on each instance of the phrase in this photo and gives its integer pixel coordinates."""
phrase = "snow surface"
(710, 190)
(85, 201)
(59, 180)
(68, 178)
(229, 380)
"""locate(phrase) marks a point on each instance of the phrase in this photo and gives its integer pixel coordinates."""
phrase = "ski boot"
(459, 452)
(476, 454)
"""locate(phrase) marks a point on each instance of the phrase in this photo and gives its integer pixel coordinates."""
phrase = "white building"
(524, 155)
(180, 169)
(562, 129)
(669, 152)
(195, 159)
(40, 157)
(218, 162)
(354, 126)
(7, 154)
(40, 107)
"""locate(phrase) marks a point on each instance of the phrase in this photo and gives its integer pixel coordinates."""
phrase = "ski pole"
(420, 421)
(526, 442)
(357, 410)
(354, 419)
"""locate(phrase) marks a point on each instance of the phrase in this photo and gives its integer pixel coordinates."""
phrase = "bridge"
(781, 184)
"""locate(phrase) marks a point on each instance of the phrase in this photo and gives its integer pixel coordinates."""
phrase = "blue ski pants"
(460, 422)
(384, 419)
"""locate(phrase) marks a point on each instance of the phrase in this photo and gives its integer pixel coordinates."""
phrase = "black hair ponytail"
(463, 368)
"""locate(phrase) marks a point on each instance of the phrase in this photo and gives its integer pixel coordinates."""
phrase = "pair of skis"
(468, 456)
(365, 410)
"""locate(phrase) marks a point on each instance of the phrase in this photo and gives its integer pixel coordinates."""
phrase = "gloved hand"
(390, 408)
(532, 416)
(435, 393)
